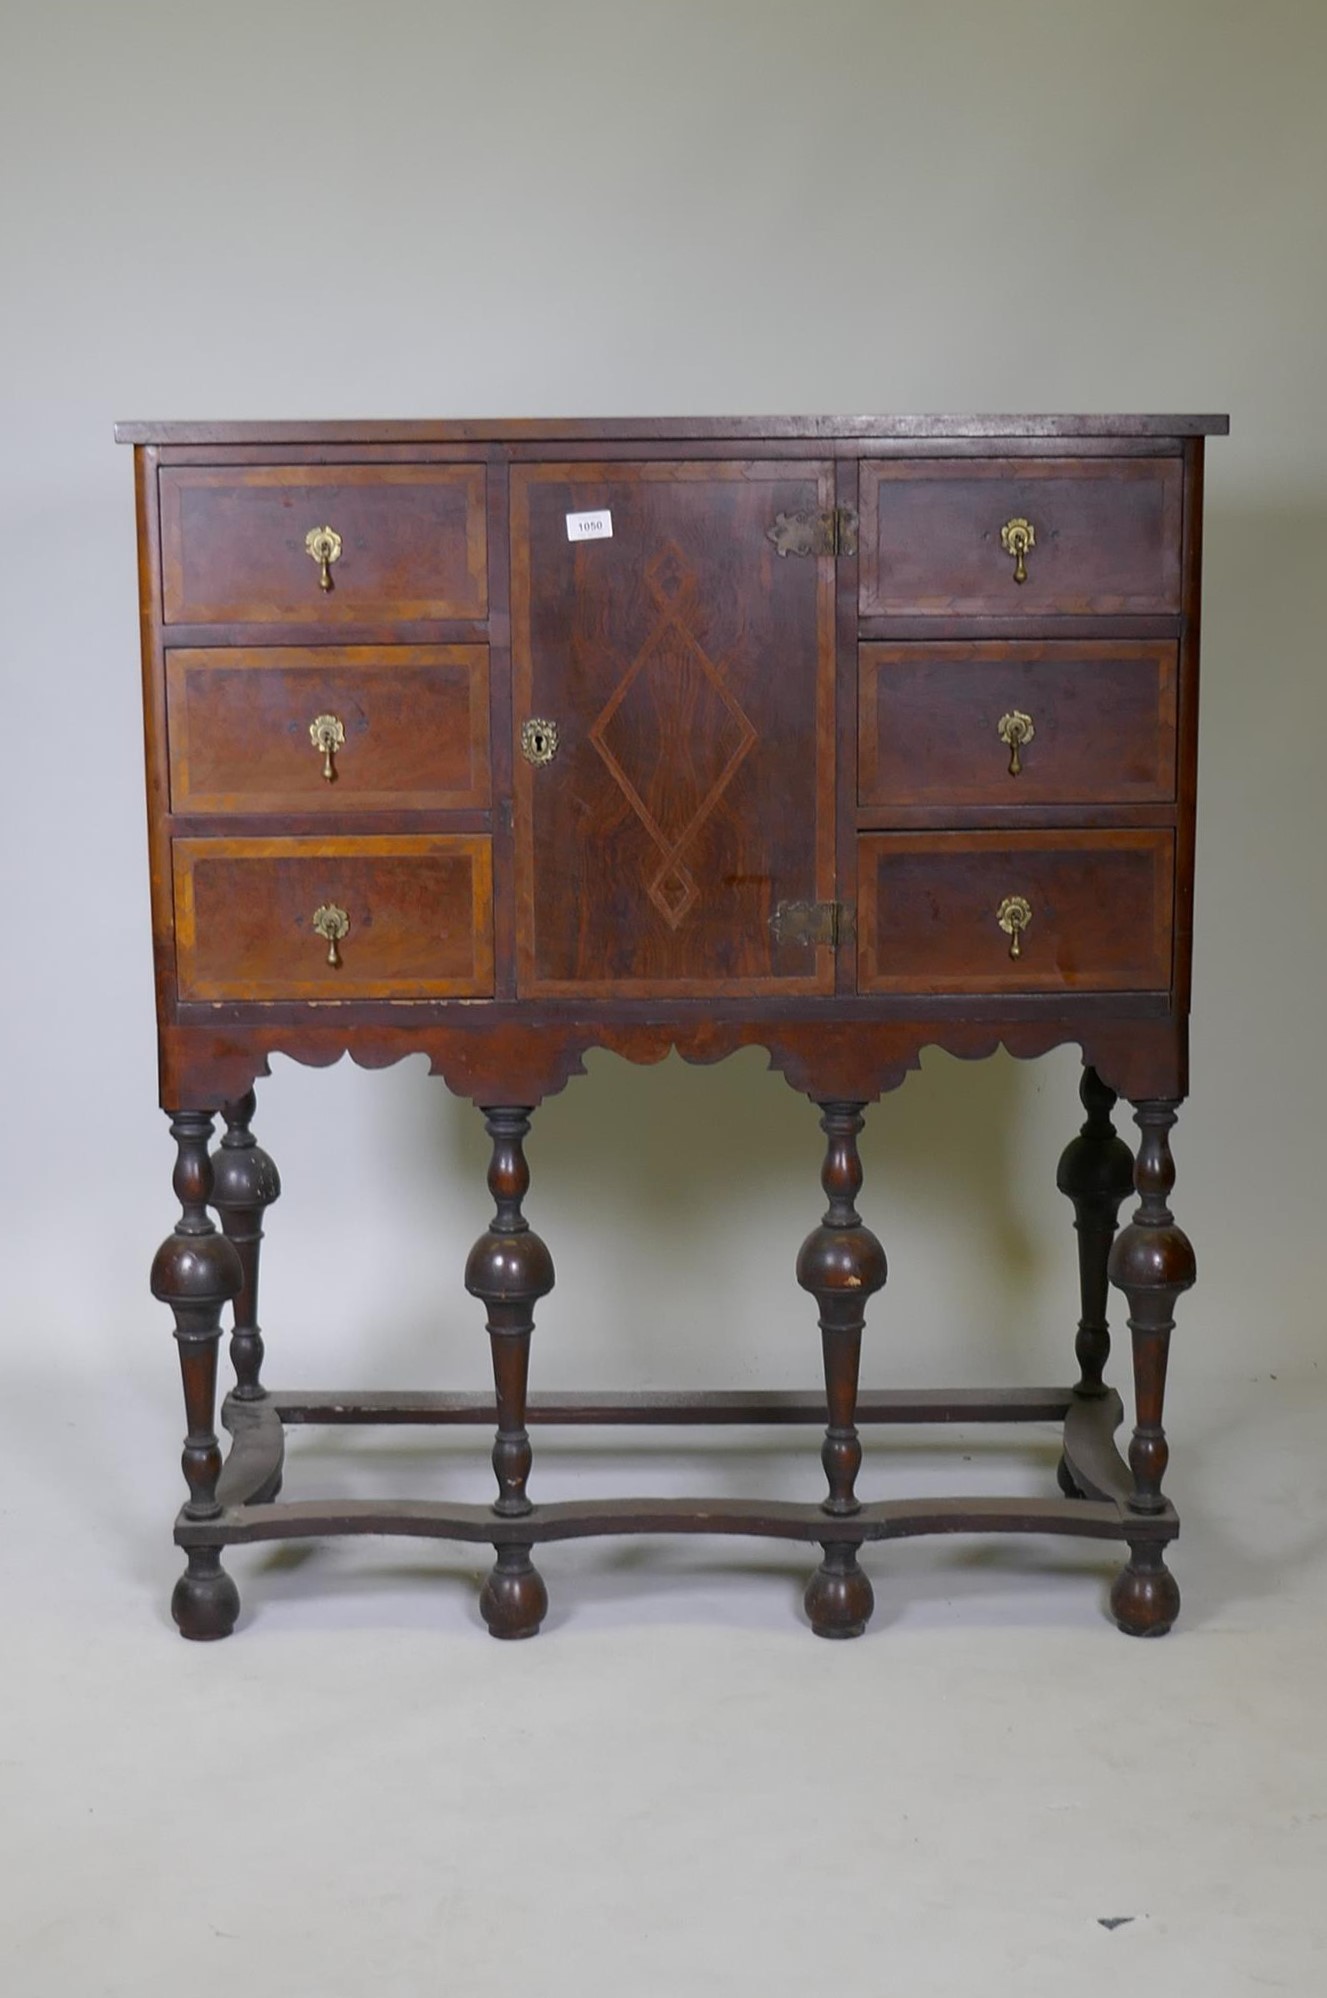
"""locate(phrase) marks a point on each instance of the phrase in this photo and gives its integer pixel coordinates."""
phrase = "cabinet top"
(666, 429)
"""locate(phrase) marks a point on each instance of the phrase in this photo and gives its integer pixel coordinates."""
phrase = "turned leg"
(1096, 1173)
(197, 1271)
(842, 1264)
(1153, 1264)
(244, 1183)
(510, 1269)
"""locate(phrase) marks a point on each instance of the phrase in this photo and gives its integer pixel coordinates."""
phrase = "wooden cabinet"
(503, 741)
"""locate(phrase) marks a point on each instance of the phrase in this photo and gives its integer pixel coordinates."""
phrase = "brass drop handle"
(327, 734)
(1016, 537)
(539, 740)
(1014, 730)
(324, 545)
(331, 923)
(1013, 915)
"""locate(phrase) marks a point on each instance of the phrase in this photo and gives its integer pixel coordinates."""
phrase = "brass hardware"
(802, 533)
(809, 923)
(327, 734)
(324, 545)
(1013, 915)
(831, 532)
(332, 924)
(1016, 537)
(539, 740)
(1014, 730)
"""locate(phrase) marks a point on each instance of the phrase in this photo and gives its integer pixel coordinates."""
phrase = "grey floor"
(675, 1789)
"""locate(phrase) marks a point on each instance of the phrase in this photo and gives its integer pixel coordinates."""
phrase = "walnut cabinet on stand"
(502, 741)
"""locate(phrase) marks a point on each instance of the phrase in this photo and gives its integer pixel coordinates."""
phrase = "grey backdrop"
(322, 210)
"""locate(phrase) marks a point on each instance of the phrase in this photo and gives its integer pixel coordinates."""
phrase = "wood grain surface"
(689, 670)
(415, 721)
(1103, 713)
(420, 911)
(233, 543)
(1107, 537)
(1101, 911)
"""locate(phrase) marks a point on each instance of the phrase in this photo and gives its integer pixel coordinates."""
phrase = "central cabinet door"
(681, 672)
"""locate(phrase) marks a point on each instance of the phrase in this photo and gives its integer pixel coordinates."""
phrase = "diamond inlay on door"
(689, 671)
(672, 735)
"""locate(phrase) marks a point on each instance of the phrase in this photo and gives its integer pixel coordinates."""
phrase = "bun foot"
(1064, 1478)
(205, 1602)
(1145, 1597)
(513, 1601)
(839, 1598)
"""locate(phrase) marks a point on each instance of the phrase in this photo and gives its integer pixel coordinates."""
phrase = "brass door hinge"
(810, 923)
(832, 531)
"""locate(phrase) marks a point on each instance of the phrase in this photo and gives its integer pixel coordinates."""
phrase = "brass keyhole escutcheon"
(1013, 915)
(539, 740)
(332, 924)
(324, 545)
(1014, 730)
(327, 734)
(1016, 537)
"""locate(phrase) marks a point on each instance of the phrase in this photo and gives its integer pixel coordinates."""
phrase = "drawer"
(1067, 722)
(1099, 903)
(418, 914)
(1105, 536)
(338, 729)
(410, 542)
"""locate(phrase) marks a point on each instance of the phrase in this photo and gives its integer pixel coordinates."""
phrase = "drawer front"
(1105, 537)
(338, 729)
(1071, 722)
(418, 915)
(1099, 912)
(410, 542)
